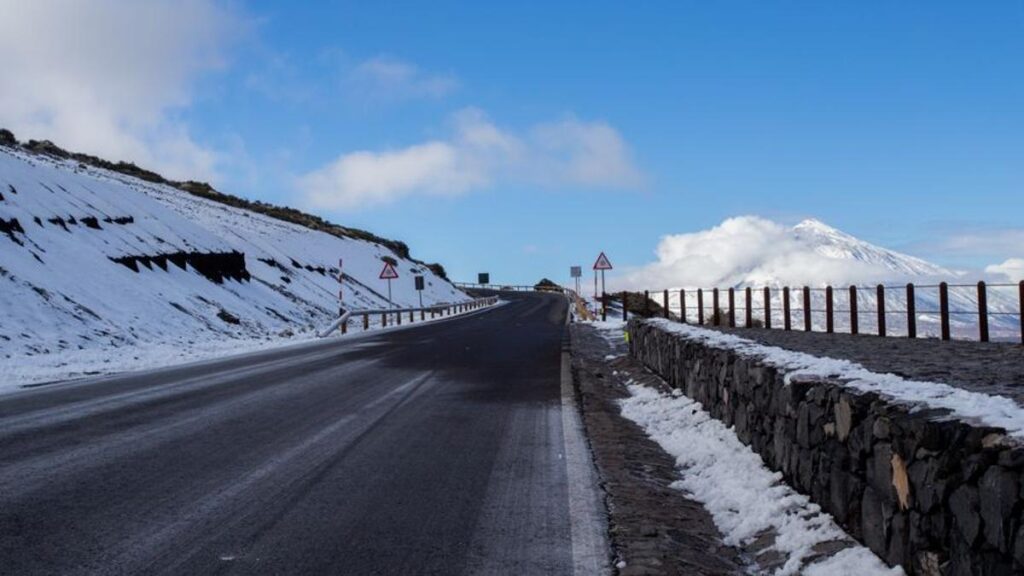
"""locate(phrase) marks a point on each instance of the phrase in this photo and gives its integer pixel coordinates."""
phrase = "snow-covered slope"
(94, 260)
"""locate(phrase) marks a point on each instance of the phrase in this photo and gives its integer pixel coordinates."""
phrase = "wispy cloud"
(478, 153)
(109, 77)
(1010, 269)
(384, 78)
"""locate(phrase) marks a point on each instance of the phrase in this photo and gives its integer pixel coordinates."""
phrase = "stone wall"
(924, 491)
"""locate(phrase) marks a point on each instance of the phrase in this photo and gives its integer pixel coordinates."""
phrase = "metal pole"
(390, 303)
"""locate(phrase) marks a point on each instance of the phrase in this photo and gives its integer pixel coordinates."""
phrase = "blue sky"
(606, 126)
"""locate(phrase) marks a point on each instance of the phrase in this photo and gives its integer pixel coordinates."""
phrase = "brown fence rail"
(941, 310)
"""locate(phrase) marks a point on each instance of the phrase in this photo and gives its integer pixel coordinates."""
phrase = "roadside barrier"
(396, 314)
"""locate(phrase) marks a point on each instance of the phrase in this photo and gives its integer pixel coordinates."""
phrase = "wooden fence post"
(625, 306)
(854, 316)
(807, 309)
(785, 308)
(982, 312)
(682, 305)
(732, 307)
(664, 302)
(944, 309)
(880, 296)
(716, 318)
(1021, 290)
(767, 307)
(829, 318)
(750, 313)
(911, 312)
(647, 304)
(700, 306)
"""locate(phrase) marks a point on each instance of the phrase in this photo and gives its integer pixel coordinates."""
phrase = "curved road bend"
(436, 449)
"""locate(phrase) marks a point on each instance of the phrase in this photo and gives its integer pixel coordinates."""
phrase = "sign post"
(389, 273)
(602, 263)
(341, 287)
(419, 288)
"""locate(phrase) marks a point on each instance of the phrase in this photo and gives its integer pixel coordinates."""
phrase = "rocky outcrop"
(922, 490)
(215, 266)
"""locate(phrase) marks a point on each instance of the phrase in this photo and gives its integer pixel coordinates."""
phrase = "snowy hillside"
(93, 260)
(817, 255)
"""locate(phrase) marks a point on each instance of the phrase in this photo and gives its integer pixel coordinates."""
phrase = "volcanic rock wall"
(930, 493)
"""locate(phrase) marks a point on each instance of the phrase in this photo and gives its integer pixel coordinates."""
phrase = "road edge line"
(591, 552)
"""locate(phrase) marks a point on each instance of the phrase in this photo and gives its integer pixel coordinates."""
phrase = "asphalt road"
(437, 449)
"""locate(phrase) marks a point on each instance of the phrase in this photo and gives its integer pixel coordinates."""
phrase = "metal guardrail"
(508, 287)
(435, 311)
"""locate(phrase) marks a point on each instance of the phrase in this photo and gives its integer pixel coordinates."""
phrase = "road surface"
(437, 449)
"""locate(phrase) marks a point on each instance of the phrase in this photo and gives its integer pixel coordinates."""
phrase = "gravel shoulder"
(654, 529)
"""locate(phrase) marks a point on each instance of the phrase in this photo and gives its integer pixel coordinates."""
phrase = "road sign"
(483, 278)
(602, 263)
(419, 282)
(389, 272)
(576, 271)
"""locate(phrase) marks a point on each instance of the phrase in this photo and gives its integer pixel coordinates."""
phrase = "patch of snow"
(745, 498)
(990, 410)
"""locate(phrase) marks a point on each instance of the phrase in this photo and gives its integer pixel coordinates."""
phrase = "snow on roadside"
(21, 371)
(990, 410)
(745, 498)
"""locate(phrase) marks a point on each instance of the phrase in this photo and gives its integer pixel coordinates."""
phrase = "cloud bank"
(749, 250)
(568, 152)
(107, 77)
(1012, 269)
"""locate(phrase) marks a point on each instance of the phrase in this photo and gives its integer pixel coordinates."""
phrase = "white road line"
(587, 518)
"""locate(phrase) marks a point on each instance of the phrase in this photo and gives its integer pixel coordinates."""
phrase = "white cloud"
(386, 78)
(477, 154)
(106, 77)
(1011, 269)
(985, 242)
(755, 251)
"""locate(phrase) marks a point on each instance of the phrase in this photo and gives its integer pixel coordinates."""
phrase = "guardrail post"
(412, 317)
(423, 315)
(786, 320)
(854, 316)
(807, 309)
(732, 308)
(647, 304)
(366, 322)
(625, 305)
(344, 327)
(682, 305)
(716, 316)
(664, 301)
(398, 318)
(700, 306)
(767, 307)
(750, 312)
(944, 309)
(982, 312)
(383, 319)
(881, 309)
(829, 310)
(911, 312)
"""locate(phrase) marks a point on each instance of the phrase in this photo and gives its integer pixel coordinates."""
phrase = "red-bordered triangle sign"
(602, 263)
(389, 272)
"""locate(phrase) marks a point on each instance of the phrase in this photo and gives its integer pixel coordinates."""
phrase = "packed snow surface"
(746, 499)
(64, 299)
(987, 409)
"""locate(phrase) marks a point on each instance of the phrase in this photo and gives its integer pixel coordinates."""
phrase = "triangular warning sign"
(602, 263)
(389, 272)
